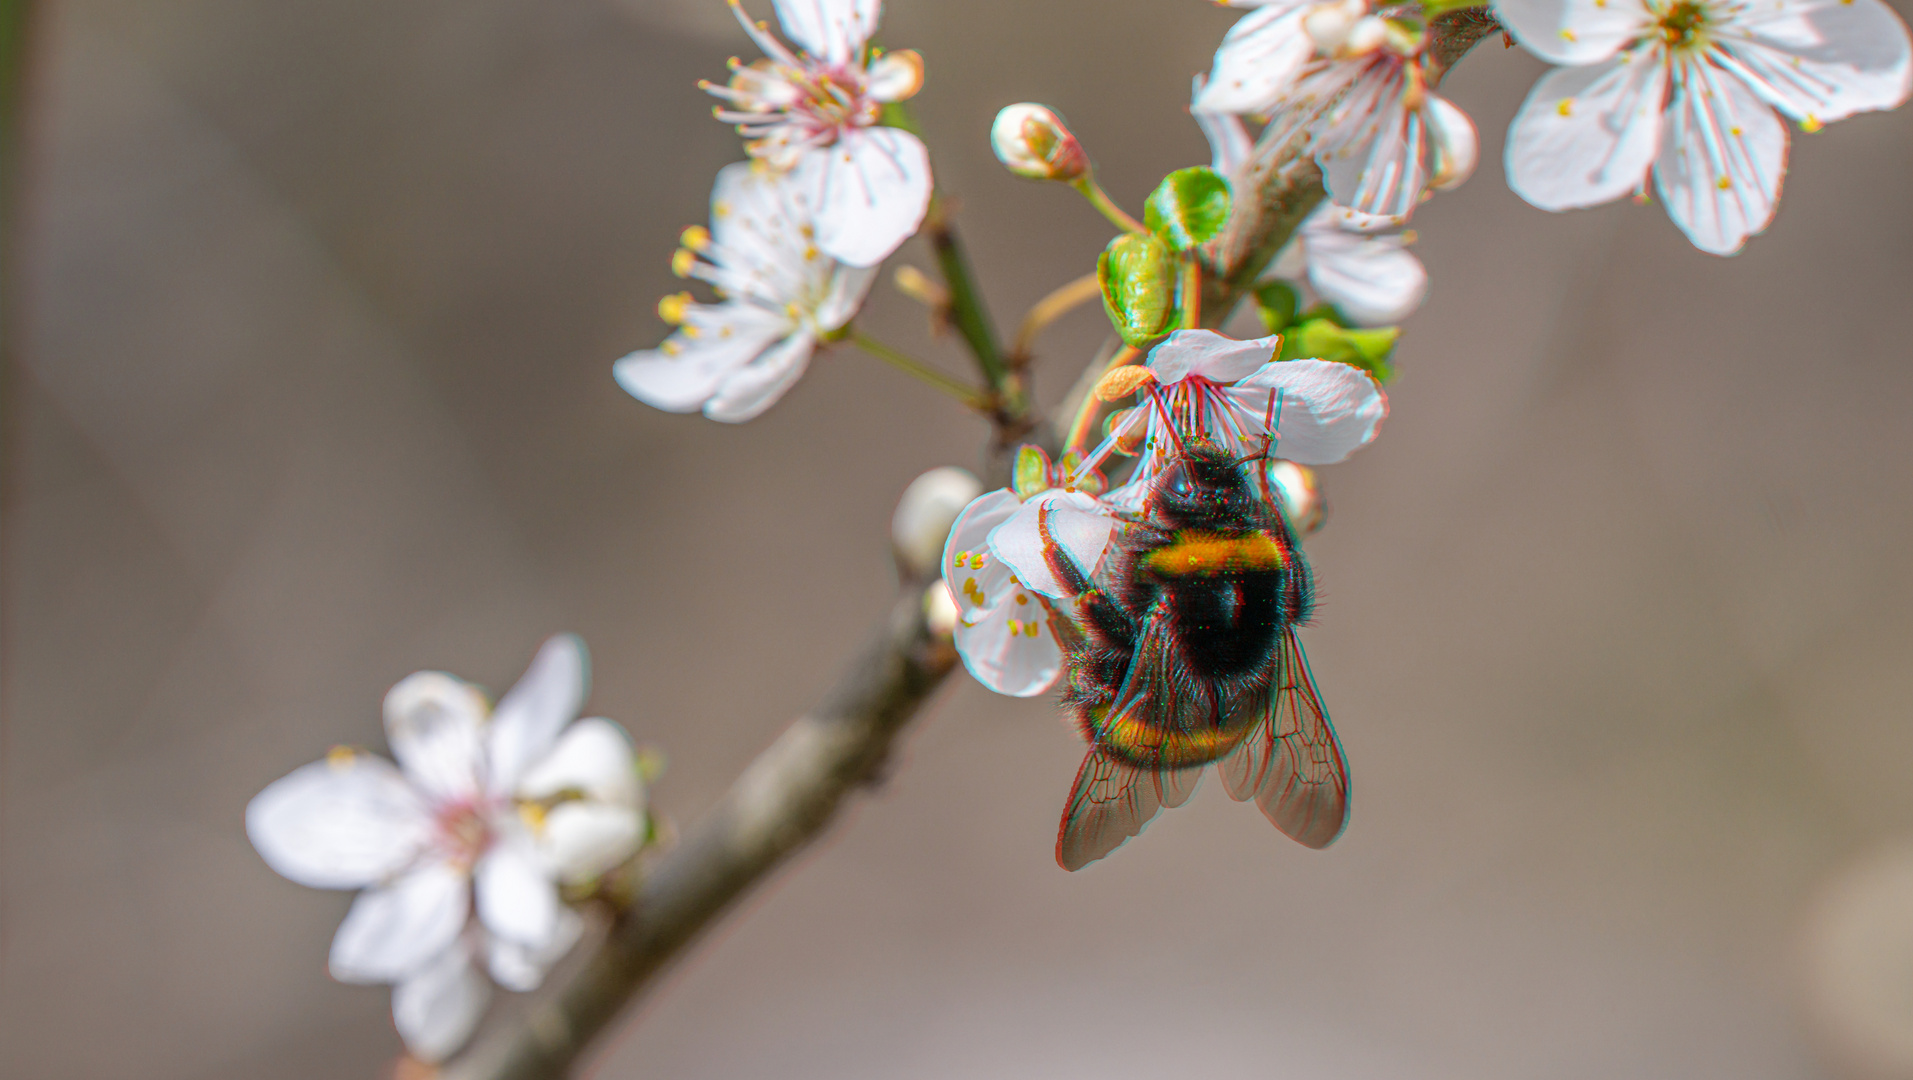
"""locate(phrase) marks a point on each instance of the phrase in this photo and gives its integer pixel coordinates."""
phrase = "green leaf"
(1030, 477)
(1432, 8)
(1188, 207)
(1321, 339)
(1276, 302)
(1138, 275)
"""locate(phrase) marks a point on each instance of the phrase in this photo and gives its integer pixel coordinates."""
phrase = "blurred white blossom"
(780, 296)
(1687, 89)
(1351, 82)
(486, 814)
(820, 107)
(1358, 262)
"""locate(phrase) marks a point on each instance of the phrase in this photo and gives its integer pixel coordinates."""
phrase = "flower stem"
(1191, 290)
(1101, 201)
(903, 361)
(1085, 417)
(1048, 310)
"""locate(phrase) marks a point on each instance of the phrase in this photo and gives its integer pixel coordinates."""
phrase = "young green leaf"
(1138, 276)
(1188, 207)
(1322, 339)
(1276, 302)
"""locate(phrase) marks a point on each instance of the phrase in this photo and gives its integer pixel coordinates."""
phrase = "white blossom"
(1688, 89)
(1230, 393)
(1351, 83)
(487, 812)
(780, 295)
(821, 105)
(1003, 631)
(1358, 262)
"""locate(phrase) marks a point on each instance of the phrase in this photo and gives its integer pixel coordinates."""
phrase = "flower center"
(833, 100)
(463, 832)
(1684, 25)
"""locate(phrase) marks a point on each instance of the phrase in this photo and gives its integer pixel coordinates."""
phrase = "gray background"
(1615, 616)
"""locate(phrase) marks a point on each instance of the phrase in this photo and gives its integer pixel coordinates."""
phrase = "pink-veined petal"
(1076, 521)
(1324, 411)
(593, 756)
(871, 189)
(1724, 157)
(395, 929)
(833, 30)
(748, 391)
(516, 895)
(1587, 135)
(526, 721)
(969, 568)
(685, 374)
(342, 823)
(1378, 160)
(1258, 61)
(435, 725)
(581, 839)
(1822, 59)
(1575, 32)
(1010, 646)
(1213, 356)
(1455, 146)
(521, 967)
(1373, 280)
(437, 1008)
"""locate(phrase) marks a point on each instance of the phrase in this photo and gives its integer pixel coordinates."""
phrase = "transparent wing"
(1113, 801)
(1293, 766)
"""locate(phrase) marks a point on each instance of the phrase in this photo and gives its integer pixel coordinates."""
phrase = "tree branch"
(783, 800)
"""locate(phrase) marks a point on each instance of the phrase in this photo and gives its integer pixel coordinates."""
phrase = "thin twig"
(916, 368)
(1047, 310)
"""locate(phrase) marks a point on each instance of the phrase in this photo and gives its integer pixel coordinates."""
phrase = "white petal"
(1452, 139)
(927, 511)
(581, 840)
(395, 929)
(516, 896)
(1010, 648)
(1377, 158)
(593, 756)
(1210, 355)
(526, 721)
(966, 554)
(683, 376)
(871, 188)
(522, 968)
(759, 222)
(1574, 31)
(1725, 155)
(830, 29)
(1325, 412)
(750, 390)
(437, 1008)
(342, 823)
(848, 287)
(435, 725)
(1229, 143)
(1371, 279)
(1821, 58)
(1587, 135)
(1078, 524)
(1259, 60)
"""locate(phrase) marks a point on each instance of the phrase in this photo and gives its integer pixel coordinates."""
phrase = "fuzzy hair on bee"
(1183, 653)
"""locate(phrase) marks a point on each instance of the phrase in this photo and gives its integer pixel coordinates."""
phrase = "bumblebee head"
(1200, 485)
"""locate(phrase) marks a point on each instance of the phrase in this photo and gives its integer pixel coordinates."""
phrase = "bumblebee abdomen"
(1197, 554)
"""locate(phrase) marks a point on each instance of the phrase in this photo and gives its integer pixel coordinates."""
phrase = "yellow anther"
(1723, 183)
(533, 815)
(810, 253)
(1022, 599)
(1566, 107)
(1029, 629)
(1810, 124)
(682, 260)
(1568, 34)
(670, 348)
(341, 757)
(1013, 627)
(1119, 383)
(695, 237)
(720, 210)
(672, 308)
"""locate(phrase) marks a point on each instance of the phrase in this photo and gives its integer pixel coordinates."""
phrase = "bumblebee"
(1183, 653)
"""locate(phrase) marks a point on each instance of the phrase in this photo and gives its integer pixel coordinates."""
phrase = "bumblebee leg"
(1058, 560)
(1094, 606)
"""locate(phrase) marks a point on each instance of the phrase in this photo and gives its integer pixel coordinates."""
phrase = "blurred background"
(1617, 615)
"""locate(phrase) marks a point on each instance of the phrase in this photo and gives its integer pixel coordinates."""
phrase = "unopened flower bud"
(929, 507)
(1331, 27)
(940, 611)
(1129, 429)
(1119, 383)
(1300, 493)
(1031, 141)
